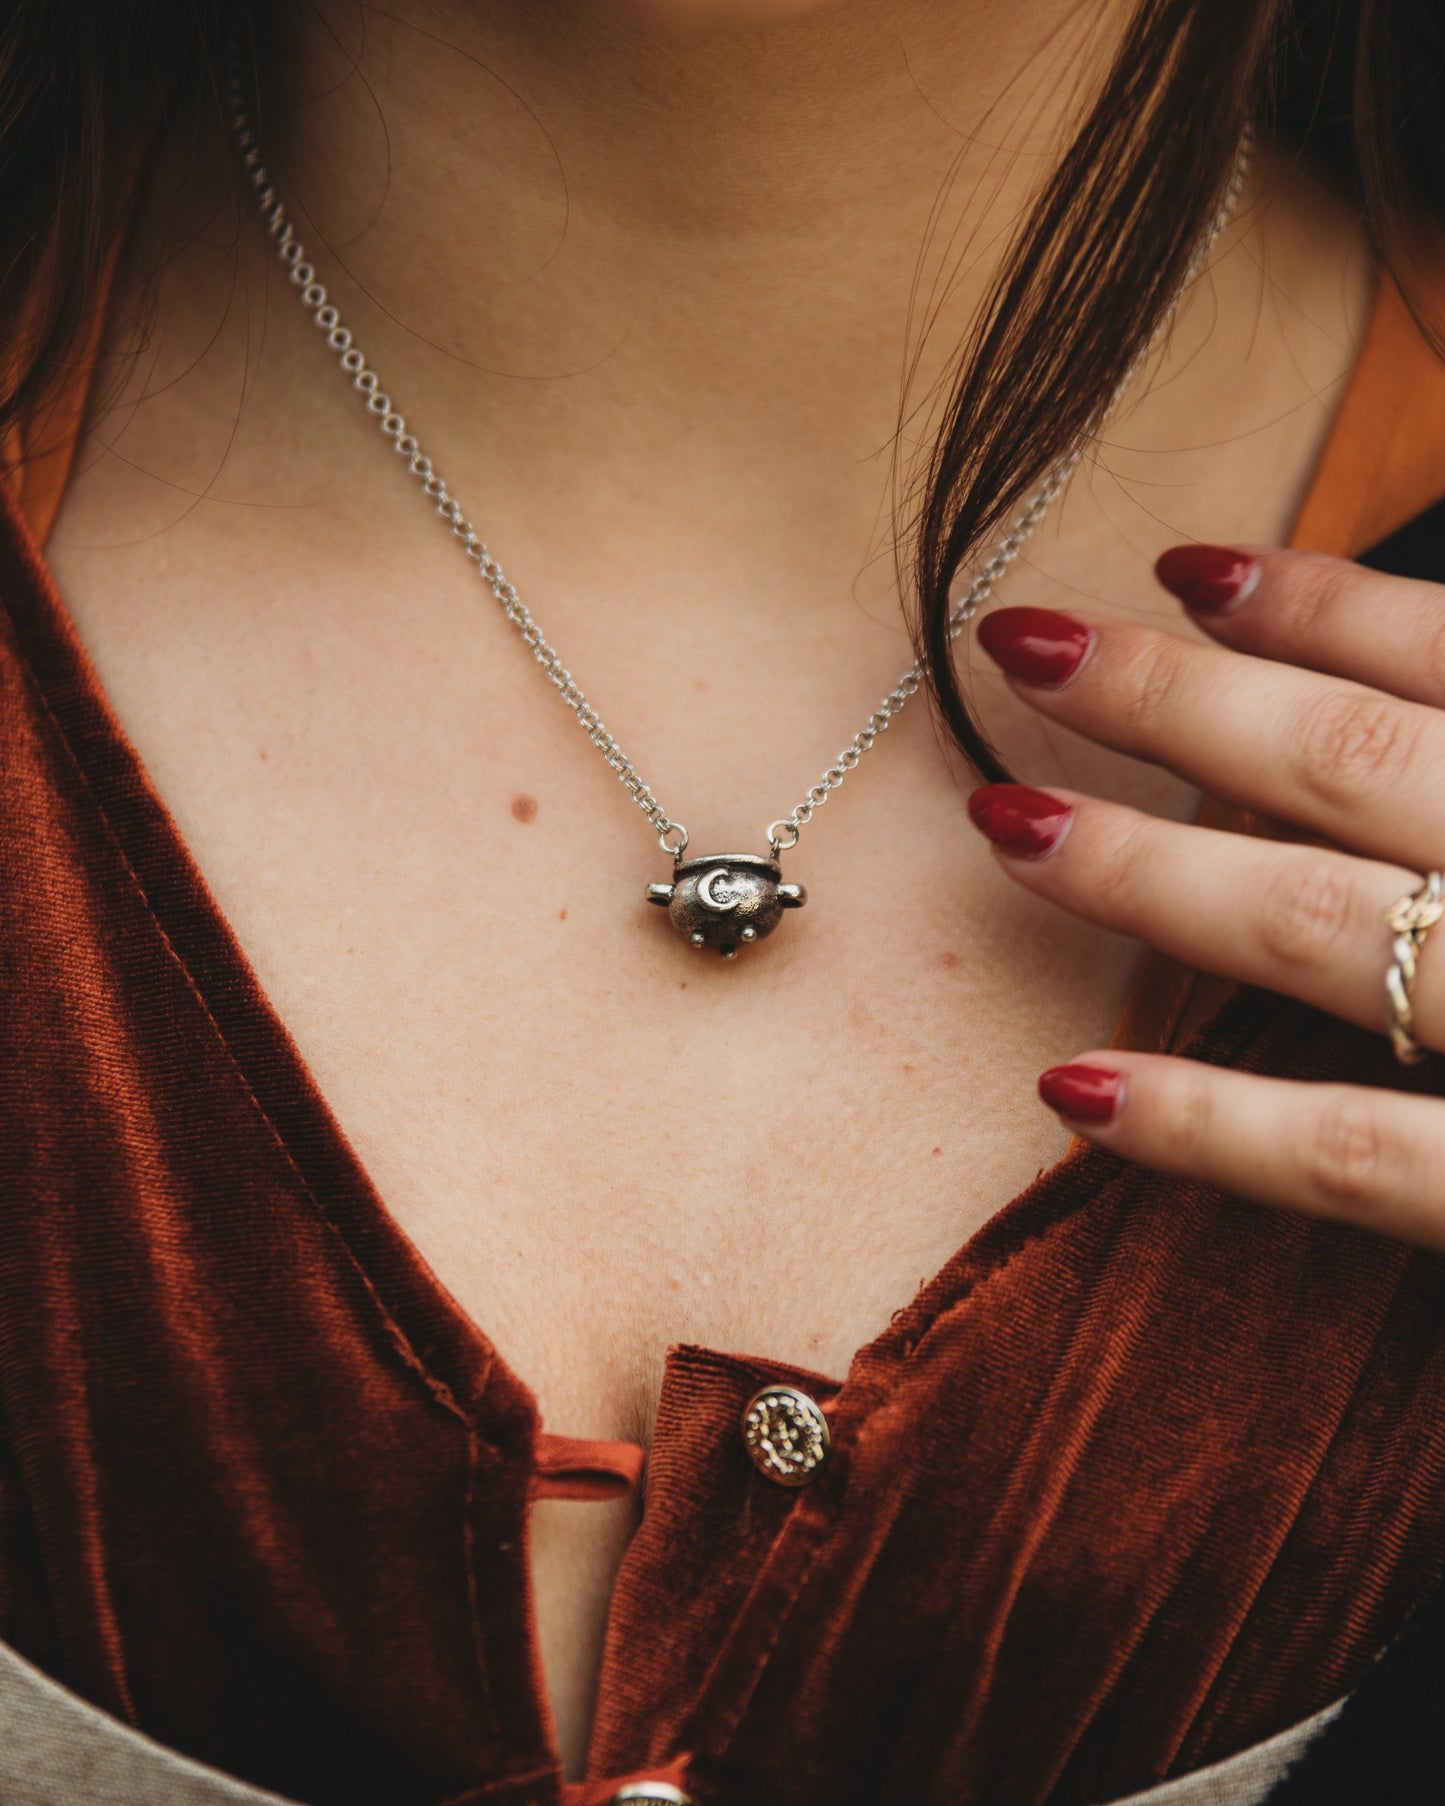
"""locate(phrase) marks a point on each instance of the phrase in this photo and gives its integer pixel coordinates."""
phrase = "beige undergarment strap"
(58, 1750)
(1242, 1780)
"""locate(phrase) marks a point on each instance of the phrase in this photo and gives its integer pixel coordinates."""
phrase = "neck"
(758, 243)
(671, 309)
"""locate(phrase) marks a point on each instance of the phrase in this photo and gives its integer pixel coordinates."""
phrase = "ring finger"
(1305, 921)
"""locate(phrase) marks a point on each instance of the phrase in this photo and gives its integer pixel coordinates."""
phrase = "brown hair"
(1358, 84)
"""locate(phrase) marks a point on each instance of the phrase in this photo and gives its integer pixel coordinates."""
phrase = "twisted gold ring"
(1410, 920)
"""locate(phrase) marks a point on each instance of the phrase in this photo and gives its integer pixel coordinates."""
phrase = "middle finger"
(1348, 762)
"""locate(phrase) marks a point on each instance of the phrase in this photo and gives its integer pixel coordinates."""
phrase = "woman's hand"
(1324, 707)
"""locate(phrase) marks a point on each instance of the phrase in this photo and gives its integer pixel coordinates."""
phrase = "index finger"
(1324, 614)
(1338, 758)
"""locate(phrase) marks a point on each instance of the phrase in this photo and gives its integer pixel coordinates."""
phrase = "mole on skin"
(524, 807)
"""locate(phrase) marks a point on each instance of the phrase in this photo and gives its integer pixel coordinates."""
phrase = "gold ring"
(1410, 920)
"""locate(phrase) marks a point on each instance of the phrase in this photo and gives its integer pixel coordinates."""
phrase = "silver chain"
(672, 835)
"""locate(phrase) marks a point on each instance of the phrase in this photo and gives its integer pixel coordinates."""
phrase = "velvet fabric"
(1142, 1476)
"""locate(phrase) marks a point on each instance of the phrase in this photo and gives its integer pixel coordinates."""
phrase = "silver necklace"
(722, 900)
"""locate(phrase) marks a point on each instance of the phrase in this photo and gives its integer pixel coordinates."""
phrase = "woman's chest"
(604, 1141)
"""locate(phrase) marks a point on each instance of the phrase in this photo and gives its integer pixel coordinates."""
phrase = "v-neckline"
(448, 1351)
(149, 844)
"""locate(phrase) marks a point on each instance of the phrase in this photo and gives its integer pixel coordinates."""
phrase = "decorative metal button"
(786, 1434)
(658, 1792)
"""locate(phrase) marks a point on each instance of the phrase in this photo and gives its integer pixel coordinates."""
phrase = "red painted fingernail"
(1026, 824)
(1085, 1093)
(1212, 580)
(1034, 644)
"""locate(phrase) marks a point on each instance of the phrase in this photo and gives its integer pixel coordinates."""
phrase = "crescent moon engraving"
(704, 891)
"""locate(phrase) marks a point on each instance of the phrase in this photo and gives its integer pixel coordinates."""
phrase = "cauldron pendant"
(726, 900)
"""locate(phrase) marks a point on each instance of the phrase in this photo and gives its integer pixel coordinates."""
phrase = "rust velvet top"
(1142, 1476)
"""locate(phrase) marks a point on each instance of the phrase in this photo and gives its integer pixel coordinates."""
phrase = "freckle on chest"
(524, 807)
